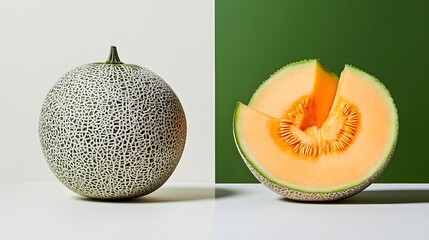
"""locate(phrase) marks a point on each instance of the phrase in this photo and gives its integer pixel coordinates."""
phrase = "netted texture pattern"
(316, 197)
(112, 131)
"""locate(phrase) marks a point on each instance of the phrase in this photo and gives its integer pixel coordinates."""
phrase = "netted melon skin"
(316, 197)
(112, 131)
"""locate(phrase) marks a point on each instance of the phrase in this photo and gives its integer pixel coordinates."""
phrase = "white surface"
(383, 211)
(49, 211)
(41, 40)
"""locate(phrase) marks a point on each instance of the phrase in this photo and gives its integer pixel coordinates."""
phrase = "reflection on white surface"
(167, 194)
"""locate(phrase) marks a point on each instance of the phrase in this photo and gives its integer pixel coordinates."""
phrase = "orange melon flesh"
(256, 128)
(308, 78)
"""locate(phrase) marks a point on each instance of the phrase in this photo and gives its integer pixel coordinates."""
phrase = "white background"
(42, 40)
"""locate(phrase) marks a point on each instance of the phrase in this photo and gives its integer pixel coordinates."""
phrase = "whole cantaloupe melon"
(112, 130)
(310, 136)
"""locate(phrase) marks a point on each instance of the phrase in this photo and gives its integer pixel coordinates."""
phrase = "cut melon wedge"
(311, 137)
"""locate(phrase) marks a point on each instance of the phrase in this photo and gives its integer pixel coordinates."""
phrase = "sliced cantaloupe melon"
(311, 137)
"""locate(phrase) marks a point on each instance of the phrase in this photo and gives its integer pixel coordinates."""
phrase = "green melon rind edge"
(374, 175)
(372, 79)
(247, 158)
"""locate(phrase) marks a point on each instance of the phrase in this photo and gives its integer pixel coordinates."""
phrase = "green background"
(388, 39)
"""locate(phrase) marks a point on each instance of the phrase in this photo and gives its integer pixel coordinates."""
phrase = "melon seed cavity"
(300, 133)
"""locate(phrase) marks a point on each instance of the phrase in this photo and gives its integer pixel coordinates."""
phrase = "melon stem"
(113, 56)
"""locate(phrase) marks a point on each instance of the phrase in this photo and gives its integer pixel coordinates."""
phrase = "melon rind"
(378, 84)
(298, 194)
(303, 195)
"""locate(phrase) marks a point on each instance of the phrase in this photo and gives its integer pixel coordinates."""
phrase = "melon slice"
(311, 137)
